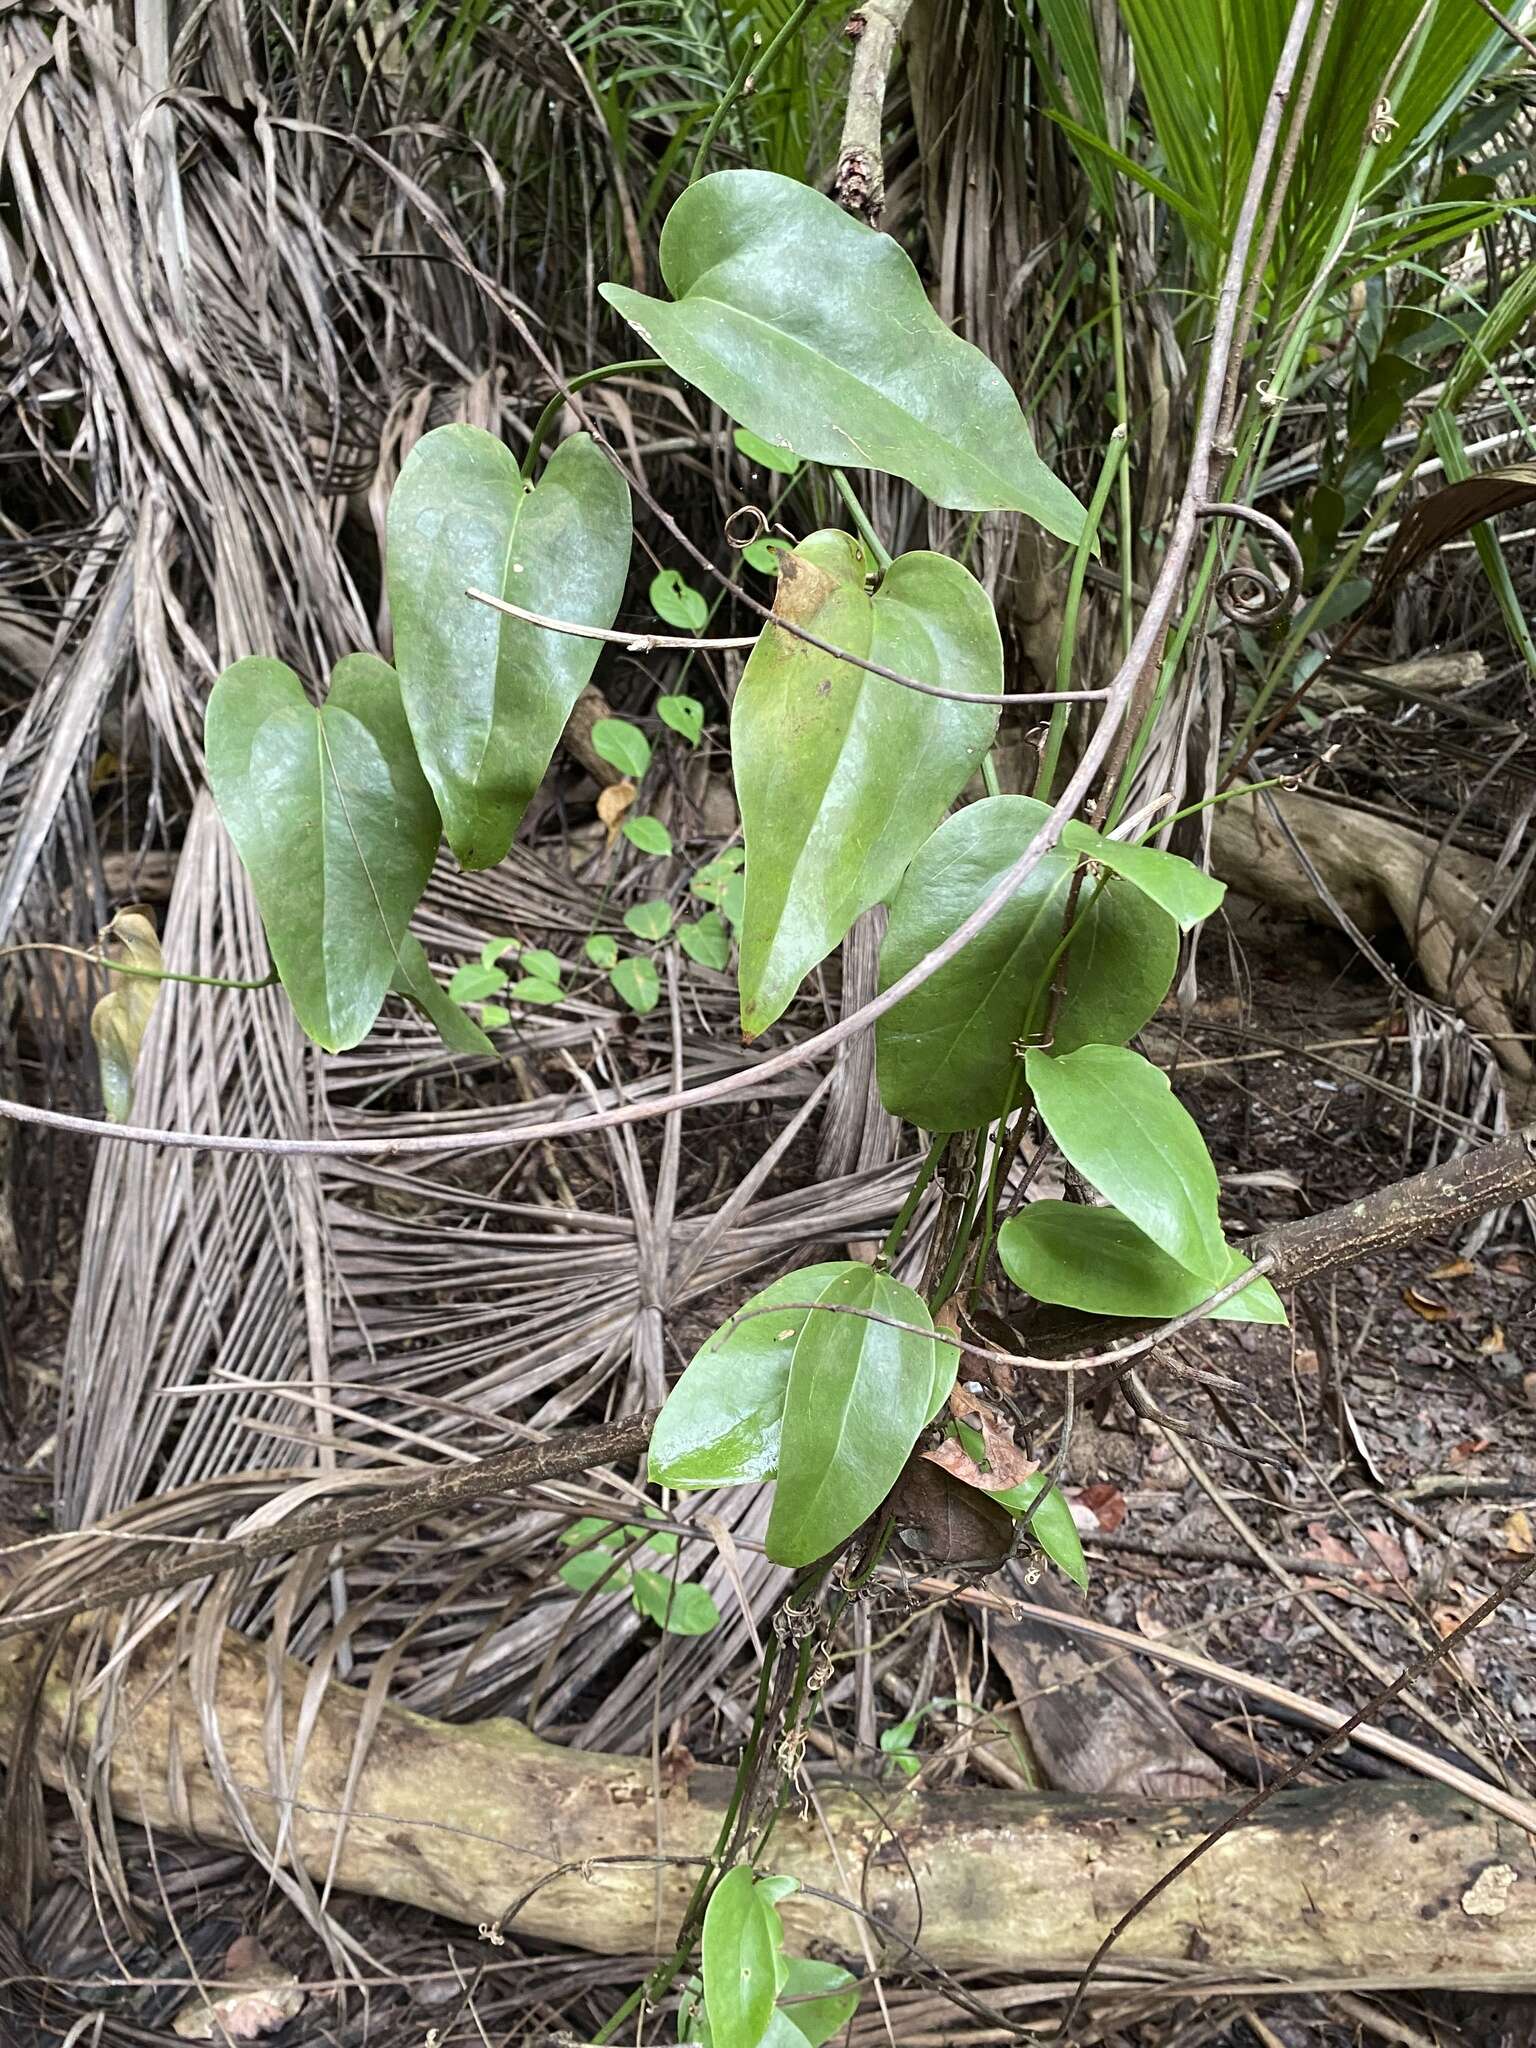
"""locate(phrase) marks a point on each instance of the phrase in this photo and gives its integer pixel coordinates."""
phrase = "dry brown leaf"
(1426, 1306)
(1528, 1381)
(1492, 1346)
(1107, 1503)
(1458, 1269)
(262, 2002)
(1469, 1447)
(1006, 1464)
(1519, 1540)
(612, 803)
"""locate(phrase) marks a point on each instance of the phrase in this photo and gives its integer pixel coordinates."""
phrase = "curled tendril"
(1250, 596)
(740, 538)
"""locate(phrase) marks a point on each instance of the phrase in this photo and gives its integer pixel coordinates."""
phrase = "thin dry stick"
(1420, 1668)
(1516, 35)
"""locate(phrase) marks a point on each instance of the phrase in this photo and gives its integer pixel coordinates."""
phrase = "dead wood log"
(1375, 1885)
(1328, 863)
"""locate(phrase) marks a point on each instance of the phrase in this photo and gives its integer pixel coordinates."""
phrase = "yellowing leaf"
(121, 1018)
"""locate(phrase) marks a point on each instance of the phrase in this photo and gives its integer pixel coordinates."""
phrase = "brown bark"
(1375, 1885)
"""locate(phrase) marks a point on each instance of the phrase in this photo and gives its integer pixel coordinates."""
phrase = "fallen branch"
(1373, 1885)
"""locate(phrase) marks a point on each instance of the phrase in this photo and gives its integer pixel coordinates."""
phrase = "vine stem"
(644, 643)
(136, 973)
(544, 425)
(746, 80)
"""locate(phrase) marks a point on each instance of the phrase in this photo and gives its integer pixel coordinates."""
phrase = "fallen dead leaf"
(1469, 1447)
(1006, 1464)
(1446, 1619)
(1519, 1539)
(1305, 1359)
(1107, 1504)
(1492, 1346)
(1426, 1306)
(1393, 1558)
(262, 2002)
(612, 803)
(1458, 1269)
(1528, 1381)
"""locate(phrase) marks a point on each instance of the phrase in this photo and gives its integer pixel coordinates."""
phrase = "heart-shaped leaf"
(859, 1392)
(674, 599)
(638, 983)
(684, 715)
(817, 2018)
(488, 696)
(333, 820)
(815, 334)
(1118, 1122)
(651, 921)
(1097, 1260)
(623, 746)
(841, 775)
(474, 981)
(706, 941)
(681, 1609)
(946, 1056)
(602, 950)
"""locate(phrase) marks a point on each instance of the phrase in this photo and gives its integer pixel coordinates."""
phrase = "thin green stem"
(908, 1209)
(544, 425)
(747, 76)
(1114, 455)
(138, 973)
(861, 520)
(1207, 803)
(1123, 421)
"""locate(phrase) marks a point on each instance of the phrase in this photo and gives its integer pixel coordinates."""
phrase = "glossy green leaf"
(1173, 883)
(472, 982)
(494, 1017)
(945, 1056)
(684, 715)
(488, 696)
(602, 950)
(651, 921)
(1118, 1122)
(534, 989)
(1096, 1259)
(818, 1999)
(739, 1948)
(676, 601)
(493, 949)
(413, 977)
(859, 1392)
(1052, 1528)
(733, 901)
(649, 834)
(682, 1610)
(638, 983)
(720, 1426)
(538, 961)
(622, 746)
(596, 1529)
(782, 461)
(335, 824)
(706, 940)
(121, 1017)
(815, 333)
(841, 775)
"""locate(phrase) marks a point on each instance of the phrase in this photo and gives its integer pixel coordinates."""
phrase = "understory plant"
(869, 702)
